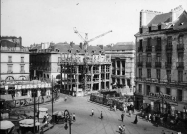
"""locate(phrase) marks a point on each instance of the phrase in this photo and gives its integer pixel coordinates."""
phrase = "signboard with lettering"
(165, 96)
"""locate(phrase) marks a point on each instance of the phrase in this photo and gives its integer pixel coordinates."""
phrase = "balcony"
(148, 64)
(180, 47)
(149, 48)
(140, 64)
(168, 65)
(180, 65)
(9, 71)
(158, 48)
(22, 71)
(169, 48)
(9, 61)
(158, 64)
(140, 49)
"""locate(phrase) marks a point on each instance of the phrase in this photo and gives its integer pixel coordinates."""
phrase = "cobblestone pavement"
(86, 124)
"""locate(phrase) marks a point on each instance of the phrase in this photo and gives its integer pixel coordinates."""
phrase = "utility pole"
(52, 100)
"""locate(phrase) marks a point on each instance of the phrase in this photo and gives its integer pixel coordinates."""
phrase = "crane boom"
(75, 31)
(99, 36)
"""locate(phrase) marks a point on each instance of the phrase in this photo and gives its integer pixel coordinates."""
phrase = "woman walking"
(136, 119)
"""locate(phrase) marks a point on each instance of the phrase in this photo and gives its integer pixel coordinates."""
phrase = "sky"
(38, 21)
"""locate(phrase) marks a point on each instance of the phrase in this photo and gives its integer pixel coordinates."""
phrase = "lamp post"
(184, 112)
(161, 94)
(67, 119)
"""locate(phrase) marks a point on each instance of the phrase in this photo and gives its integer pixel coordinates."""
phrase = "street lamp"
(184, 112)
(67, 119)
(161, 94)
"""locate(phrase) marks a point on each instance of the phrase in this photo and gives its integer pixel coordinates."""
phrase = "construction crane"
(85, 73)
(86, 41)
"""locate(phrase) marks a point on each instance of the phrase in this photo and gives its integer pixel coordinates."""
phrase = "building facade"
(123, 65)
(66, 63)
(161, 62)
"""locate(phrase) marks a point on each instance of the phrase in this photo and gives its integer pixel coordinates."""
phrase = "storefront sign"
(165, 96)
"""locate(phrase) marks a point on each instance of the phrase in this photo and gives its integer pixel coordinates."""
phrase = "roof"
(181, 23)
(165, 18)
(7, 43)
(121, 46)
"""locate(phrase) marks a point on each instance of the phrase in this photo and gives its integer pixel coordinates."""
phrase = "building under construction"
(76, 71)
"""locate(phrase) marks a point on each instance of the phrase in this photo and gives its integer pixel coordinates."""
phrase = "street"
(86, 124)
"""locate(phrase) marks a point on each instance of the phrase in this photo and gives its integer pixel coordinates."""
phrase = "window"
(59, 59)
(157, 89)
(148, 73)
(141, 30)
(148, 41)
(24, 92)
(158, 57)
(159, 42)
(180, 57)
(22, 68)
(9, 58)
(169, 41)
(148, 89)
(22, 59)
(168, 73)
(140, 44)
(149, 29)
(107, 76)
(158, 74)
(10, 68)
(169, 58)
(180, 76)
(180, 39)
(140, 72)
(107, 68)
(140, 57)
(159, 27)
(168, 91)
(102, 68)
(148, 57)
(123, 63)
(179, 94)
(140, 88)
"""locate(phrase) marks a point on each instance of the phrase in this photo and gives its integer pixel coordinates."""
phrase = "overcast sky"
(39, 21)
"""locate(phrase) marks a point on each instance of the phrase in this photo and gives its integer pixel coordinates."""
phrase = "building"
(66, 63)
(123, 66)
(15, 81)
(14, 62)
(161, 61)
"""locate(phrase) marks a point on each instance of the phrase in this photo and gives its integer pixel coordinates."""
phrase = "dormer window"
(159, 27)
(182, 23)
(141, 30)
(149, 29)
(57, 50)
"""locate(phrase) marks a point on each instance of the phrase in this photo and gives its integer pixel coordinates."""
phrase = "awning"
(5, 124)
(22, 97)
(6, 97)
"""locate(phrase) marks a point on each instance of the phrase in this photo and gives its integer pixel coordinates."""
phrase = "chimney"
(176, 12)
(81, 46)
(20, 41)
(146, 16)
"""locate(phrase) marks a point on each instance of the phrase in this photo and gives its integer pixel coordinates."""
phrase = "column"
(115, 67)
(99, 77)
(77, 75)
(92, 75)
(125, 82)
(110, 80)
(104, 76)
(120, 67)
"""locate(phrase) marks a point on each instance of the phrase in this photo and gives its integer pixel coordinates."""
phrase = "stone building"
(123, 65)
(161, 61)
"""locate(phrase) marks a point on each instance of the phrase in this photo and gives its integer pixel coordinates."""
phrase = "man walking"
(122, 117)
(92, 112)
(101, 115)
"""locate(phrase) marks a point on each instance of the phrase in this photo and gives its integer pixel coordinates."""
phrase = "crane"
(86, 41)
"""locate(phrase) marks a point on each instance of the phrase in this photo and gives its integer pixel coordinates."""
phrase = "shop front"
(138, 101)
(160, 103)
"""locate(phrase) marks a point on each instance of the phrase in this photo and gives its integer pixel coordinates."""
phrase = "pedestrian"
(136, 119)
(92, 112)
(114, 107)
(74, 119)
(122, 117)
(101, 115)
